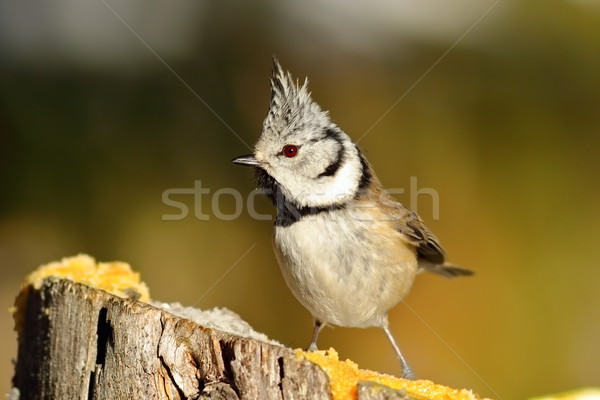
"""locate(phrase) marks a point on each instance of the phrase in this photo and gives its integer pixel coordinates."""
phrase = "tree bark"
(78, 342)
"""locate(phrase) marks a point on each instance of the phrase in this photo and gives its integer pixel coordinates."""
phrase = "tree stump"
(83, 334)
(79, 342)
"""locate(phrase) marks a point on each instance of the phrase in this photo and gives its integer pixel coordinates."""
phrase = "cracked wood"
(78, 342)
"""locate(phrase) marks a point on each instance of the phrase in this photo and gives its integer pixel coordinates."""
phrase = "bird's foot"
(312, 347)
(407, 373)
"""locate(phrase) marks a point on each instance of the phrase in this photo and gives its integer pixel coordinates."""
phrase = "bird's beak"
(248, 161)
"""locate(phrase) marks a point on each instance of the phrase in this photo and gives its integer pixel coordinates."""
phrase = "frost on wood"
(218, 318)
(77, 342)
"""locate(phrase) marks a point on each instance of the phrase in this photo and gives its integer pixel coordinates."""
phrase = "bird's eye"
(290, 150)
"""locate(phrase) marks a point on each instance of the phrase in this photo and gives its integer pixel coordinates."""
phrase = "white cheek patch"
(327, 190)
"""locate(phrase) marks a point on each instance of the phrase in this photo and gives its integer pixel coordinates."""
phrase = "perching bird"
(347, 250)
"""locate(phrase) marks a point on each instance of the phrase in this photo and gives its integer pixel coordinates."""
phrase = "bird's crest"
(291, 105)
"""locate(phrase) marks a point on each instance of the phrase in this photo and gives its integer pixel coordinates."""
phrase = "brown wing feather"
(408, 223)
(428, 246)
(430, 253)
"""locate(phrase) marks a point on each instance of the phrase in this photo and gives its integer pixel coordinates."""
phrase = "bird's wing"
(431, 254)
(428, 246)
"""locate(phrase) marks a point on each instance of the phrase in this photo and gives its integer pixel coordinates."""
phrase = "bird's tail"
(445, 270)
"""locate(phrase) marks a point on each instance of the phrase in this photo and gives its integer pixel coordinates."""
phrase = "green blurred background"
(98, 117)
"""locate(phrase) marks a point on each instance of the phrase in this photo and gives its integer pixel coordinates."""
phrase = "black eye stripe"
(332, 133)
(335, 165)
(331, 169)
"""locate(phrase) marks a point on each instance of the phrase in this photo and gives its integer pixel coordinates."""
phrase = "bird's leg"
(407, 372)
(313, 343)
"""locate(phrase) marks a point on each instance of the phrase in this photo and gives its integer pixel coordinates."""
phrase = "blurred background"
(105, 105)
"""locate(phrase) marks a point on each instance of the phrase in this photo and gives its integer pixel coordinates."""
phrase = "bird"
(348, 251)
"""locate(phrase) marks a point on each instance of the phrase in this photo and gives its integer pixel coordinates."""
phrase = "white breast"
(344, 268)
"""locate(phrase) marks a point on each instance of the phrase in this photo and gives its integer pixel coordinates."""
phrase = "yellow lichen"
(114, 277)
(345, 375)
